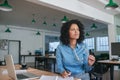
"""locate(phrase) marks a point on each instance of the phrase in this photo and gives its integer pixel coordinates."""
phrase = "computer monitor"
(115, 48)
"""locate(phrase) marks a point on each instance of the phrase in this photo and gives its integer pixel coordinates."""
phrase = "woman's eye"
(72, 29)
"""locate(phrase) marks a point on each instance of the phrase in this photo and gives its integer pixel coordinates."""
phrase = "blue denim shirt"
(73, 60)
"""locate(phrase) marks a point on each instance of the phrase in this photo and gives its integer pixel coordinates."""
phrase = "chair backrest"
(100, 68)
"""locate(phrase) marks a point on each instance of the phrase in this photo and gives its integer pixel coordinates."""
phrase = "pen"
(69, 73)
(56, 78)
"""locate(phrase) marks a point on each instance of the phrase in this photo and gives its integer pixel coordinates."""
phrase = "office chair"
(39, 60)
(98, 71)
(40, 63)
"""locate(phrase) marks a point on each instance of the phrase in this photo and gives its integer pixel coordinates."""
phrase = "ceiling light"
(33, 20)
(38, 33)
(111, 5)
(87, 34)
(45, 23)
(65, 19)
(54, 25)
(5, 6)
(93, 26)
(8, 30)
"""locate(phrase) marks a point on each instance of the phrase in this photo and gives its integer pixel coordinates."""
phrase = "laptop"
(12, 73)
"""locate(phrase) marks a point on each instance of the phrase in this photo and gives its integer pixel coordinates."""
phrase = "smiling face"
(74, 32)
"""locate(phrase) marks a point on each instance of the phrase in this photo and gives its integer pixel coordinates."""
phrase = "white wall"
(117, 23)
(117, 19)
(99, 33)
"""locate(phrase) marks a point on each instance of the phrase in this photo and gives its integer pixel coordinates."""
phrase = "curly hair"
(64, 37)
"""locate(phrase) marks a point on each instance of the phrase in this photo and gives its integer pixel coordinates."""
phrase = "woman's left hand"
(91, 60)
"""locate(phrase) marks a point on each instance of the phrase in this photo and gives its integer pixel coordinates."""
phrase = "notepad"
(45, 77)
(17, 71)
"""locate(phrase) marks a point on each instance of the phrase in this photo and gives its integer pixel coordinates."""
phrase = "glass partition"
(51, 43)
(117, 24)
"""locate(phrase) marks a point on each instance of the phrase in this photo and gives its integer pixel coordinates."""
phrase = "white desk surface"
(108, 61)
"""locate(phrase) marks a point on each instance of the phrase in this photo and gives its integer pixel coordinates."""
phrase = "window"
(53, 46)
(118, 38)
(89, 42)
(102, 43)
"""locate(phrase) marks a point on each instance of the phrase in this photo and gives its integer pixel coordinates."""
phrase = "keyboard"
(21, 76)
(114, 59)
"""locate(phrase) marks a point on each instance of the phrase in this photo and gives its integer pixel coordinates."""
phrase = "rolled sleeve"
(60, 67)
(87, 66)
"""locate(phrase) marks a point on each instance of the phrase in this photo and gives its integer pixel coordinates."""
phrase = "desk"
(31, 70)
(24, 56)
(46, 59)
(111, 64)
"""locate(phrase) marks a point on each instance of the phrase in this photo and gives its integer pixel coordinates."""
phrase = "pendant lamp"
(87, 34)
(38, 33)
(93, 26)
(5, 6)
(54, 25)
(111, 5)
(45, 23)
(65, 19)
(8, 30)
(33, 20)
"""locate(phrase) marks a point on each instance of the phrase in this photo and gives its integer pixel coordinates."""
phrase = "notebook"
(12, 73)
(46, 77)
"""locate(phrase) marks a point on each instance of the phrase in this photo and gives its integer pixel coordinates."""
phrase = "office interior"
(35, 28)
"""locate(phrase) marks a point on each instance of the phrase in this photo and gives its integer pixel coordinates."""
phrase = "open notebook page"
(17, 71)
(45, 77)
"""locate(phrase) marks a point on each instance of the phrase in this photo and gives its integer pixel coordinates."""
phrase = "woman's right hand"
(65, 74)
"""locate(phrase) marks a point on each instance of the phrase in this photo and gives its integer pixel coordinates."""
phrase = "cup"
(24, 65)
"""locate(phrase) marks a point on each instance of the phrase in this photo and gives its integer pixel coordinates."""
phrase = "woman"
(72, 56)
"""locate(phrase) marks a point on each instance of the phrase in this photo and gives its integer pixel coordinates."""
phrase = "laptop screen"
(10, 67)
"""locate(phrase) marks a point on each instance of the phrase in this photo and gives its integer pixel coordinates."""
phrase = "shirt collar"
(77, 45)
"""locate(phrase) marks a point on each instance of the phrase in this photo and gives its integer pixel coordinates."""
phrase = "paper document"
(4, 71)
(20, 71)
(17, 71)
(45, 77)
